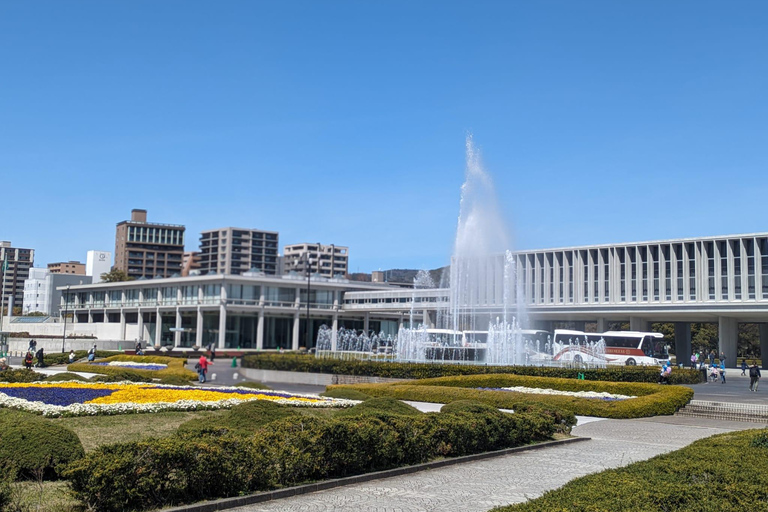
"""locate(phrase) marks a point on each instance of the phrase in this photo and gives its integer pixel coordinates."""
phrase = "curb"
(227, 503)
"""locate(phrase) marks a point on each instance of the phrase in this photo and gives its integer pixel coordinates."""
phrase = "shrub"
(30, 443)
(20, 375)
(468, 406)
(162, 472)
(252, 385)
(349, 394)
(307, 363)
(244, 418)
(720, 473)
(175, 380)
(54, 358)
(652, 399)
(116, 375)
(377, 406)
(65, 376)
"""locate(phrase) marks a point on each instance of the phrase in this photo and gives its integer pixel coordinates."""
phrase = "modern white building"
(43, 293)
(97, 263)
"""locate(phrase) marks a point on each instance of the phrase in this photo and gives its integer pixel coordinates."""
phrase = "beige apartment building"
(325, 260)
(144, 249)
(67, 267)
(233, 251)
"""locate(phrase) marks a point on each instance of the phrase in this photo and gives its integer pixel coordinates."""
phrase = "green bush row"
(294, 362)
(652, 399)
(53, 358)
(726, 472)
(174, 373)
(295, 449)
(20, 375)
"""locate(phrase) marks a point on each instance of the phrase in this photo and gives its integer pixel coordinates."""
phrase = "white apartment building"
(325, 260)
(42, 293)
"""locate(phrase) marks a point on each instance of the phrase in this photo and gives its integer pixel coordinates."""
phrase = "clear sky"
(344, 121)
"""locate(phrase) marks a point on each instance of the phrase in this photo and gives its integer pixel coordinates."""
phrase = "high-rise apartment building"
(190, 262)
(328, 260)
(235, 251)
(17, 265)
(148, 250)
(67, 267)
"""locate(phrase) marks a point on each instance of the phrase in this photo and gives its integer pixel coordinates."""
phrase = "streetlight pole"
(64, 334)
(308, 261)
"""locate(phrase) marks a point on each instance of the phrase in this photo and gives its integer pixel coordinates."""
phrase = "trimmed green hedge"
(245, 418)
(20, 375)
(652, 399)
(64, 377)
(30, 443)
(53, 358)
(156, 473)
(293, 362)
(175, 367)
(726, 472)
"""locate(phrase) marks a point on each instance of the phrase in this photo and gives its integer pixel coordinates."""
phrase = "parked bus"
(612, 347)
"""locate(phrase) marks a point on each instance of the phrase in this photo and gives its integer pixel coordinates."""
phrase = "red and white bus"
(612, 347)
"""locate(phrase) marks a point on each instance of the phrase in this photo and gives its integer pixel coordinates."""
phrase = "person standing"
(202, 368)
(722, 358)
(72, 356)
(212, 348)
(92, 353)
(754, 377)
(743, 366)
(693, 361)
(40, 357)
(722, 373)
(711, 358)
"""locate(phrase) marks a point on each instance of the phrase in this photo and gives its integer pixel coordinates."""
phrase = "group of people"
(666, 371)
(34, 353)
(700, 358)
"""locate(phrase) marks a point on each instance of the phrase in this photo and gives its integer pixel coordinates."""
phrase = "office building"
(43, 293)
(190, 263)
(233, 251)
(326, 260)
(67, 267)
(98, 263)
(148, 250)
(18, 262)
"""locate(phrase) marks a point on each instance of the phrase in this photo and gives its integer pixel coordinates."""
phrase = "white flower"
(580, 394)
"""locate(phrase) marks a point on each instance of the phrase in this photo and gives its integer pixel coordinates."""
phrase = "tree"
(115, 276)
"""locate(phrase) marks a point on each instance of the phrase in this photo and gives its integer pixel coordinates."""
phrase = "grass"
(45, 497)
(95, 431)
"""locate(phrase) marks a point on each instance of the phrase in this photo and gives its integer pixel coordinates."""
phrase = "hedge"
(20, 375)
(156, 473)
(244, 418)
(53, 358)
(30, 443)
(726, 472)
(652, 399)
(294, 362)
(175, 367)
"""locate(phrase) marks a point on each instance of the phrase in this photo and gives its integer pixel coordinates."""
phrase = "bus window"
(647, 346)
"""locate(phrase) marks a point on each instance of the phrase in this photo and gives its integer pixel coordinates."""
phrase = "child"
(722, 373)
(28, 359)
(743, 366)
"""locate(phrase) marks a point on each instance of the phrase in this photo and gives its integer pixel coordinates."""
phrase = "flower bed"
(598, 395)
(151, 367)
(88, 399)
(133, 365)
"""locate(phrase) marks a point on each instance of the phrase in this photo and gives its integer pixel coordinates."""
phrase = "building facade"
(190, 262)
(67, 267)
(17, 264)
(148, 250)
(233, 251)
(97, 263)
(326, 260)
(43, 293)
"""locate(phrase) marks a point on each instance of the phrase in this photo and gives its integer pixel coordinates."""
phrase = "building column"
(158, 327)
(602, 324)
(199, 328)
(728, 331)
(683, 342)
(335, 331)
(177, 334)
(296, 327)
(639, 324)
(140, 322)
(122, 324)
(764, 344)
(222, 326)
(260, 331)
(366, 322)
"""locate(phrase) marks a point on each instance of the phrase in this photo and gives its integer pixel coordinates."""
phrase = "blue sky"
(344, 121)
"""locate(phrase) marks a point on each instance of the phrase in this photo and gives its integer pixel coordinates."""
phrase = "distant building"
(67, 267)
(98, 263)
(190, 262)
(233, 251)
(40, 293)
(19, 261)
(329, 260)
(144, 249)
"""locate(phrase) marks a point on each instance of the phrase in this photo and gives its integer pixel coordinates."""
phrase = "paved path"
(481, 485)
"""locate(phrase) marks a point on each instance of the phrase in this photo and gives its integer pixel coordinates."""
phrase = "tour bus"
(621, 347)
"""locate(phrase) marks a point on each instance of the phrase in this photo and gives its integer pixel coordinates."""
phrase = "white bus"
(612, 347)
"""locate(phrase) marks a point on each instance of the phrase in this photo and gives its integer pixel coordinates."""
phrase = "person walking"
(72, 356)
(202, 368)
(722, 373)
(92, 353)
(28, 359)
(743, 366)
(722, 358)
(39, 355)
(754, 377)
(212, 348)
(693, 361)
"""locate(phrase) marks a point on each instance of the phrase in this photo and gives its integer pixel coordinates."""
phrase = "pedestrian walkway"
(481, 485)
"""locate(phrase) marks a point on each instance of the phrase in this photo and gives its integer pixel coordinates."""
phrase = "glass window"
(150, 296)
(169, 295)
(211, 293)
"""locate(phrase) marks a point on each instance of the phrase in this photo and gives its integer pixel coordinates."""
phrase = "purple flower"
(53, 395)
